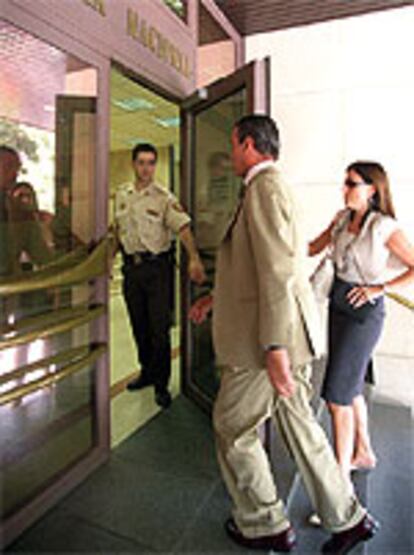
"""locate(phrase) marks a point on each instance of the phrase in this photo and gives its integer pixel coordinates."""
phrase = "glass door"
(50, 263)
(211, 192)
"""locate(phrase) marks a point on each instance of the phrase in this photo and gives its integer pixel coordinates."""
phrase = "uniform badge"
(152, 212)
(177, 206)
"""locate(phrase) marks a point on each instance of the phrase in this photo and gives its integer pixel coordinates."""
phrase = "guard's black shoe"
(138, 383)
(163, 398)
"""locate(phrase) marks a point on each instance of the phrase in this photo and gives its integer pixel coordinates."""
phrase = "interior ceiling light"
(133, 104)
(168, 122)
(135, 140)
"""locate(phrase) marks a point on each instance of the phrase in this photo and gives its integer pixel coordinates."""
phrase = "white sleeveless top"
(364, 258)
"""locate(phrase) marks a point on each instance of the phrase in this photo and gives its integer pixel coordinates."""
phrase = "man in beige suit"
(266, 332)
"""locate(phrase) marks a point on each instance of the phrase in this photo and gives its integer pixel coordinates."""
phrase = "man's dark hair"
(144, 147)
(264, 132)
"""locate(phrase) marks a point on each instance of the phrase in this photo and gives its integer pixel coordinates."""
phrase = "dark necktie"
(242, 194)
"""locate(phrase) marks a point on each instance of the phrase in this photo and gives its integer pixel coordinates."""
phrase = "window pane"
(179, 7)
(215, 199)
(47, 191)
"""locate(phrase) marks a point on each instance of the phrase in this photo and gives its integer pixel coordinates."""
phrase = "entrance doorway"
(138, 115)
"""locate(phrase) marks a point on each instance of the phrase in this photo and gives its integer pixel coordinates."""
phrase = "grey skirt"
(350, 347)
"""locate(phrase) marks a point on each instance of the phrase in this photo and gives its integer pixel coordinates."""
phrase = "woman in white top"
(371, 255)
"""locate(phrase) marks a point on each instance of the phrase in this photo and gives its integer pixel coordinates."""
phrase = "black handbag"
(340, 302)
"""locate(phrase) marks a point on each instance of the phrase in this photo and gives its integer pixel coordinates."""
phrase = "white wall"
(341, 91)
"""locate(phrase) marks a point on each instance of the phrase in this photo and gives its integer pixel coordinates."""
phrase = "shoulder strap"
(357, 265)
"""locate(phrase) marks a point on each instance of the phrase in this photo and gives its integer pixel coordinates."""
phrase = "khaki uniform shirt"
(146, 219)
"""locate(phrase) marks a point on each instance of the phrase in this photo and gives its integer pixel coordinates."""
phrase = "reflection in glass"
(47, 177)
(215, 197)
(179, 7)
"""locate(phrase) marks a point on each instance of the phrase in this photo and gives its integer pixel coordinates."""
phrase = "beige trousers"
(245, 400)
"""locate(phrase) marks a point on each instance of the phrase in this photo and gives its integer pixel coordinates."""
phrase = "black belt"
(138, 258)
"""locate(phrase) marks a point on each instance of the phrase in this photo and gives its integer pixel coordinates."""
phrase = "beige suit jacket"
(262, 294)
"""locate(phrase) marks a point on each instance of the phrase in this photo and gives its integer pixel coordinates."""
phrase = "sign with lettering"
(149, 36)
(97, 5)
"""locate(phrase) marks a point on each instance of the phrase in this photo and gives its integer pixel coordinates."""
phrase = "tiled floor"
(161, 493)
(130, 412)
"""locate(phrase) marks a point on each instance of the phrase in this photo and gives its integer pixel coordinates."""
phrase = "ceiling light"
(133, 104)
(168, 122)
(135, 140)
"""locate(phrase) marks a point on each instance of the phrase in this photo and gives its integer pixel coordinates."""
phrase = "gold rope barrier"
(54, 276)
(21, 391)
(53, 329)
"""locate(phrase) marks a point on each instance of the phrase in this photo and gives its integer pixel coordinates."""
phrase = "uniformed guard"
(146, 217)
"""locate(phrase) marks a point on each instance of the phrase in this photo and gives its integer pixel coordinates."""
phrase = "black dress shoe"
(138, 383)
(342, 542)
(163, 398)
(284, 541)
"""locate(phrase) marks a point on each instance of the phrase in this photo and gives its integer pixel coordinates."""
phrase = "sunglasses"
(353, 184)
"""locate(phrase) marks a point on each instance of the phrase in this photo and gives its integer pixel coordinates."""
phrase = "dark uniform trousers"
(147, 293)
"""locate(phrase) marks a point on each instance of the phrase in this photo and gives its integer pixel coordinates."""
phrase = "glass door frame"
(68, 479)
(255, 78)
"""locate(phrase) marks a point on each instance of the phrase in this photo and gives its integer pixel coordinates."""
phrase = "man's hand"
(112, 250)
(279, 372)
(196, 270)
(200, 309)
(195, 266)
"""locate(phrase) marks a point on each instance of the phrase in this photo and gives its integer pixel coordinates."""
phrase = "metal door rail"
(61, 272)
(60, 358)
(80, 318)
(20, 391)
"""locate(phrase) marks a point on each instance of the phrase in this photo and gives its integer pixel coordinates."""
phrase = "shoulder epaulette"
(160, 189)
(124, 188)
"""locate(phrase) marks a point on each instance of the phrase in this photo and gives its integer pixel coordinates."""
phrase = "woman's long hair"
(24, 211)
(374, 174)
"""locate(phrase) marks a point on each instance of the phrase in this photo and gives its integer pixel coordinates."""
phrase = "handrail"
(59, 358)
(401, 299)
(21, 391)
(51, 275)
(53, 329)
(42, 320)
(78, 254)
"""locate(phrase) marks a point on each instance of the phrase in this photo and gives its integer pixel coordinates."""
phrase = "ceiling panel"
(210, 31)
(140, 115)
(258, 16)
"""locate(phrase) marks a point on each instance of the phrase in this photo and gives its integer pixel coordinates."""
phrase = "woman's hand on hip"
(362, 294)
